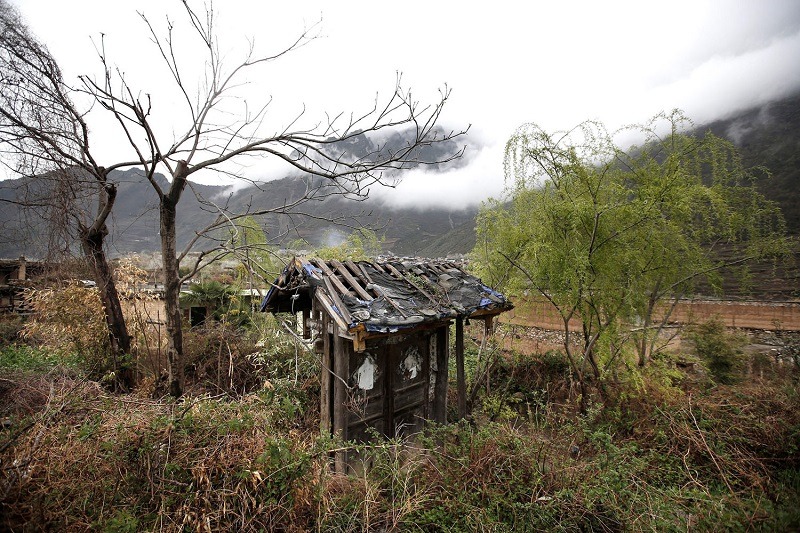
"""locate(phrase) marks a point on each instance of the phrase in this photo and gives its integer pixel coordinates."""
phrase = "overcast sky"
(507, 63)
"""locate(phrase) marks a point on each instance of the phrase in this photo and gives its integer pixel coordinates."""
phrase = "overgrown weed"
(663, 453)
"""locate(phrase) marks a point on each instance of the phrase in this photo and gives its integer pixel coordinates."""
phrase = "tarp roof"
(383, 296)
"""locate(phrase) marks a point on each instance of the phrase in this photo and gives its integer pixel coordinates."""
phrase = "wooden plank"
(341, 364)
(392, 270)
(357, 271)
(386, 268)
(365, 273)
(380, 292)
(330, 275)
(425, 350)
(389, 363)
(326, 391)
(355, 285)
(488, 327)
(328, 305)
(306, 324)
(359, 340)
(442, 363)
(460, 377)
(420, 289)
(337, 301)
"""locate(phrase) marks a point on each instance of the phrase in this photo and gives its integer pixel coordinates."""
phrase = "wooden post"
(425, 350)
(22, 268)
(388, 364)
(488, 328)
(442, 363)
(460, 378)
(325, 392)
(341, 363)
(306, 324)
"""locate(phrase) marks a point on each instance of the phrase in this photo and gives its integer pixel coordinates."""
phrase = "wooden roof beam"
(363, 294)
(330, 274)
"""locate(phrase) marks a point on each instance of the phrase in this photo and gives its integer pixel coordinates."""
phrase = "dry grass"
(652, 457)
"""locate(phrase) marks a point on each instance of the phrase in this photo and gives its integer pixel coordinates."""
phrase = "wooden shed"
(381, 329)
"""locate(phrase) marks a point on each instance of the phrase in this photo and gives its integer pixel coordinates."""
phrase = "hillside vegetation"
(767, 136)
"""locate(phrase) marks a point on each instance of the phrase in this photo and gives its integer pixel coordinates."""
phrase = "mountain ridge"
(767, 136)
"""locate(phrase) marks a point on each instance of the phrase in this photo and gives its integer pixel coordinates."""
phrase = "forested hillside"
(768, 136)
(134, 221)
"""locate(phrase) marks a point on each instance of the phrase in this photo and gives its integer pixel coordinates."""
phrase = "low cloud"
(458, 188)
(724, 85)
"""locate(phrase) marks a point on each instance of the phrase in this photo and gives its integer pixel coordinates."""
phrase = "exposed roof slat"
(380, 298)
(377, 266)
(420, 289)
(356, 271)
(366, 274)
(329, 307)
(345, 314)
(355, 285)
(330, 274)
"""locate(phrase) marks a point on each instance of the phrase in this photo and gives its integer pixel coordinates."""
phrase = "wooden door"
(389, 389)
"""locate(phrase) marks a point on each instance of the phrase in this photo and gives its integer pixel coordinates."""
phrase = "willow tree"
(215, 127)
(612, 238)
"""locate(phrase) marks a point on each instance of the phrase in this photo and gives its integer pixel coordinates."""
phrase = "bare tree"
(44, 136)
(210, 136)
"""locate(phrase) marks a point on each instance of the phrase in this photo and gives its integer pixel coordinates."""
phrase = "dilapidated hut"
(382, 331)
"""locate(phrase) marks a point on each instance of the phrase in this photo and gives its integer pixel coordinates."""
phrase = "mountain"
(768, 136)
(134, 223)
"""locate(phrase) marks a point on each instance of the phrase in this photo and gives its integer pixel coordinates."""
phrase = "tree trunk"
(92, 241)
(645, 340)
(175, 361)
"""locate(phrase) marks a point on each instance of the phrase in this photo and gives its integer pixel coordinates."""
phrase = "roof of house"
(383, 296)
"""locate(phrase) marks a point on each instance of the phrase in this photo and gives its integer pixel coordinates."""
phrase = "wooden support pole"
(442, 363)
(341, 362)
(325, 378)
(306, 324)
(461, 381)
(488, 329)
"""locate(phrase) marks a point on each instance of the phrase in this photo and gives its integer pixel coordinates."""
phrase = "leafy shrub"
(720, 350)
(28, 358)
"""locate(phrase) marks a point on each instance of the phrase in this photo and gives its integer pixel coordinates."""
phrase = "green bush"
(21, 357)
(720, 350)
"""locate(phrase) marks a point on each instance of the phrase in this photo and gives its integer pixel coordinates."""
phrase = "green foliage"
(361, 245)
(123, 521)
(21, 357)
(607, 235)
(220, 299)
(719, 349)
(258, 258)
